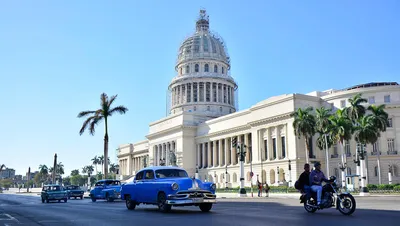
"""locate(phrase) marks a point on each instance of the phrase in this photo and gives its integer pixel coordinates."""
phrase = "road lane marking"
(8, 217)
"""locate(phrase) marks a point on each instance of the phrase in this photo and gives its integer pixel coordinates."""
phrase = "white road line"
(9, 218)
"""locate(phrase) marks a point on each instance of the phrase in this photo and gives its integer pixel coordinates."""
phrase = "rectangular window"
(389, 123)
(375, 147)
(387, 99)
(208, 92)
(201, 91)
(343, 103)
(214, 85)
(390, 145)
(371, 100)
(195, 92)
(189, 93)
(265, 149)
(283, 147)
(335, 152)
(274, 147)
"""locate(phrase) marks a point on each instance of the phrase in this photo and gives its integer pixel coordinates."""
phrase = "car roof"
(161, 167)
(51, 185)
(107, 180)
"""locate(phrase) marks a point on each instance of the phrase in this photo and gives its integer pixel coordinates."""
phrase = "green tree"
(74, 172)
(95, 162)
(6, 183)
(304, 125)
(95, 117)
(113, 168)
(323, 127)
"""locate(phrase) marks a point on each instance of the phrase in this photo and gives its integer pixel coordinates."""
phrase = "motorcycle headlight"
(174, 186)
(213, 186)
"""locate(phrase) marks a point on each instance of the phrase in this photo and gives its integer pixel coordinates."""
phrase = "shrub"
(372, 186)
(396, 188)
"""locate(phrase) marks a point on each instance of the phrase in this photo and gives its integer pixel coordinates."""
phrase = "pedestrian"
(259, 188)
(267, 189)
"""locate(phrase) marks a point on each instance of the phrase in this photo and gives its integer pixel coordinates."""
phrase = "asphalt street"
(28, 210)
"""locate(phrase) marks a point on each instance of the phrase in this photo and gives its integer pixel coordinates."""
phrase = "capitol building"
(204, 118)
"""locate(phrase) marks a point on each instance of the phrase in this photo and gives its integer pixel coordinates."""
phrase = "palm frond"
(84, 113)
(93, 124)
(86, 123)
(120, 109)
(111, 100)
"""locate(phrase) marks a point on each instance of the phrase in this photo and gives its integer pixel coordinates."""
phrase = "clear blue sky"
(56, 58)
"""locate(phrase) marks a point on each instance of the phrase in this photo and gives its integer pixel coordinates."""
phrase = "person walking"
(267, 189)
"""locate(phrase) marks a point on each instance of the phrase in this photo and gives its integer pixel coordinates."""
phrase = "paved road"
(28, 210)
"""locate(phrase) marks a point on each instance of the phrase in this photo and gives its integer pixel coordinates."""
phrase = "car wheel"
(93, 198)
(47, 200)
(65, 200)
(205, 207)
(81, 196)
(108, 198)
(130, 204)
(162, 202)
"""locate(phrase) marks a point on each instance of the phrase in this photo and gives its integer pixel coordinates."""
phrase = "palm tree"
(380, 120)
(341, 131)
(89, 170)
(323, 125)
(59, 170)
(95, 117)
(95, 162)
(356, 110)
(74, 172)
(43, 169)
(366, 132)
(113, 168)
(304, 125)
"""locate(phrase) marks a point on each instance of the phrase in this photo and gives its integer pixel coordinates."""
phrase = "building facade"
(197, 135)
(7, 173)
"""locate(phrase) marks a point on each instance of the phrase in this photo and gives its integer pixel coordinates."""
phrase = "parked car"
(106, 189)
(74, 191)
(167, 186)
(53, 192)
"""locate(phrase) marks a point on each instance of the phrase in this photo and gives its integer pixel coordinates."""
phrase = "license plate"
(197, 200)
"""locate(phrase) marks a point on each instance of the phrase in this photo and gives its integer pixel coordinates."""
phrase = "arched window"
(187, 69)
(223, 70)
(215, 68)
(206, 68)
(180, 71)
(395, 171)
(196, 68)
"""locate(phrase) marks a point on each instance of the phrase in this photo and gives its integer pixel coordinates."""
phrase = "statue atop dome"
(203, 22)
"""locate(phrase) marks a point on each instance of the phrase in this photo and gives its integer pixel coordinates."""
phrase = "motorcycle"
(331, 197)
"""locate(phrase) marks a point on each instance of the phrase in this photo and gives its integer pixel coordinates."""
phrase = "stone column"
(246, 142)
(211, 92)
(209, 151)
(205, 89)
(191, 92)
(221, 153)
(233, 97)
(227, 155)
(198, 91)
(215, 154)
(278, 143)
(204, 159)
(182, 94)
(198, 156)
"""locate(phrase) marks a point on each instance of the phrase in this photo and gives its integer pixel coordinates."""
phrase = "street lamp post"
(277, 170)
(226, 176)
(241, 152)
(251, 171)
(327, 155)
(196, 175)
(362, 155)
(390, 174)
(357, 162)
(342, 167)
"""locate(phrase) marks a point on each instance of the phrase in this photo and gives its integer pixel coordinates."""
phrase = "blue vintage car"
(167, 186)
(106, 189)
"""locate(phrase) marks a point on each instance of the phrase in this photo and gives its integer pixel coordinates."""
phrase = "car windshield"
(168, 173)
(112, 183)
(73, 188)
(52, 188)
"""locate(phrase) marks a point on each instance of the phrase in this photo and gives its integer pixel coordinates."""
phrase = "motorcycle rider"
(304, 183)
(316, 179)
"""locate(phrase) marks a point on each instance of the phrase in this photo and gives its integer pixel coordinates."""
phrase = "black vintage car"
(74, 191)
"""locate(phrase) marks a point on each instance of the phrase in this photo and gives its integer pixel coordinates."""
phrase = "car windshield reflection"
(170, 173)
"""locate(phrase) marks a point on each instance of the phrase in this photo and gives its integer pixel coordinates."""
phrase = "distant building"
(7, 173)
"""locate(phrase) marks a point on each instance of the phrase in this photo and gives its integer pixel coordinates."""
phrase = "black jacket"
(304, 179)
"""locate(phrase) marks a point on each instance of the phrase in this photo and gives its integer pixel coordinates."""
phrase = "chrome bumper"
(190, 201)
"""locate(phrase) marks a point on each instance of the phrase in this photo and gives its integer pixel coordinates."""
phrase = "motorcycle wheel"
(308, 208)
(348, 204)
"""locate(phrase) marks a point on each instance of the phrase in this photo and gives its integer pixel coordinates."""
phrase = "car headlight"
(213, 186)
(175, 186)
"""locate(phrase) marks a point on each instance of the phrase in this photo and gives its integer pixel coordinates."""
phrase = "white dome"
(203, 44)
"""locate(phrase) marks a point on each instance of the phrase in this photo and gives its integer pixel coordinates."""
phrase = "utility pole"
(28, 179)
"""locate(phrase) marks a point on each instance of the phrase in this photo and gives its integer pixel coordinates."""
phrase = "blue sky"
(56, 58)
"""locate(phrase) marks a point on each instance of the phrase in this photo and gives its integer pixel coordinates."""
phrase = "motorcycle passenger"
(316, 179)
(304, 182)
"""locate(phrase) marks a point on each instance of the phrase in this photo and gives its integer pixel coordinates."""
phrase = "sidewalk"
(255, 195)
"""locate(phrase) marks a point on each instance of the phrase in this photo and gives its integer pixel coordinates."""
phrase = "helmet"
(317, 164)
